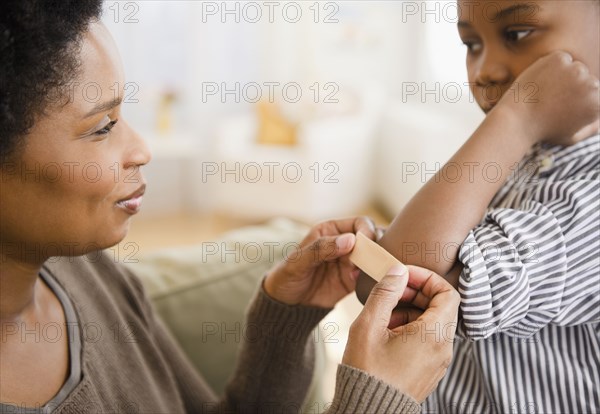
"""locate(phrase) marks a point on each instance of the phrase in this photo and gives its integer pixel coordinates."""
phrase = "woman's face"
(505, 37)
(61, 194)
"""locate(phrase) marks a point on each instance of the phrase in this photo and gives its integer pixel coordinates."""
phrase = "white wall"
(393, 44)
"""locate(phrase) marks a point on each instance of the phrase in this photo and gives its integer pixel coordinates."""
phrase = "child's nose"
(492, 70)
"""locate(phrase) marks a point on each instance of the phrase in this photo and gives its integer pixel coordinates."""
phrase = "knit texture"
(357, 391)
(130, 362)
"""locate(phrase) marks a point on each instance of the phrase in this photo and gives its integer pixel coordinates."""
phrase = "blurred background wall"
(306, 109)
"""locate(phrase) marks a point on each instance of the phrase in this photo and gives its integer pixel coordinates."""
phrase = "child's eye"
(106, 129)
(472, 46)
(517, 34)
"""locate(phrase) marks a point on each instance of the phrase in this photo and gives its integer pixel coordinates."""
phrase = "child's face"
(505, 37)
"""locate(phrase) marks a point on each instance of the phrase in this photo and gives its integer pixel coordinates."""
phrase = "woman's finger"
(402, 316)
(324, 249)
(348, 225)
(444, 300)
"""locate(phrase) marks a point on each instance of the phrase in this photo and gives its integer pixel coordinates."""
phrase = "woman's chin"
(109, 240)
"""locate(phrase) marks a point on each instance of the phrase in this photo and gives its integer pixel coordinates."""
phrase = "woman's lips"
(131, 206)
(133, 202)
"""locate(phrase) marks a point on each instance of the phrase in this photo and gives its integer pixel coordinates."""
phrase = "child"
(529, 271)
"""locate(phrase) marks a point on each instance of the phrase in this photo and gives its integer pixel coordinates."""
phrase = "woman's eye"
(106, 129)
(517, 35)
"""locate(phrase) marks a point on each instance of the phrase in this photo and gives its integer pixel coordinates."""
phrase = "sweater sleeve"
(357, 391)
(274, 366)
(276, 359)
(534, 265)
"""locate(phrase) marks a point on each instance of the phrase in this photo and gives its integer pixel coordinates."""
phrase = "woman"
(71, 181)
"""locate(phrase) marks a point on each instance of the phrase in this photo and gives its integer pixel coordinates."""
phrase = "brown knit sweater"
(146, 372)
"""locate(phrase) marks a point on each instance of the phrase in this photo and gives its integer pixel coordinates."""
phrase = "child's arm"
(432, 227)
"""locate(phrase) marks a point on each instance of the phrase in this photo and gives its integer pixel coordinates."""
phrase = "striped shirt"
(529, 336)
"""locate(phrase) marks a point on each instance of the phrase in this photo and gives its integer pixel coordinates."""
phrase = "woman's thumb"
(330, 248)
(385, 296)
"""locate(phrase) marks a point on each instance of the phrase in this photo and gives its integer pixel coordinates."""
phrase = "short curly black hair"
(39, 48)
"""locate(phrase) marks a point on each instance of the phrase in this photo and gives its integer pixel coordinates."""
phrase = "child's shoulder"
(549, 174)
(577, 162)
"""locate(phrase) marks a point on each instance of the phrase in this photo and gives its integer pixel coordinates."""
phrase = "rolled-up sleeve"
(534, 265)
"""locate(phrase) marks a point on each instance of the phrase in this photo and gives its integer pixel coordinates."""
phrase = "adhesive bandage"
(371, 258)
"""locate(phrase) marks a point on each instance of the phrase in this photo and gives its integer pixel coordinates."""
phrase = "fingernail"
(343, 241)
(354, 274)
(397, 270)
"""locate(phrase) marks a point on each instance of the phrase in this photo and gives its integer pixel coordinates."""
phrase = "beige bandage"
(371, 258)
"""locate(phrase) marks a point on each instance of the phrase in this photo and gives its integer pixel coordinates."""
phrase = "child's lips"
(487, 107)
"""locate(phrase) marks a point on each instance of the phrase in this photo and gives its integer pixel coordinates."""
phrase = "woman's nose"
(138, 152)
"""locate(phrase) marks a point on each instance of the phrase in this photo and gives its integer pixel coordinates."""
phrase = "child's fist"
(565, 104)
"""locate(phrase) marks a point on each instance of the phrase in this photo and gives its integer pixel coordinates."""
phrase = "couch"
(202, 292)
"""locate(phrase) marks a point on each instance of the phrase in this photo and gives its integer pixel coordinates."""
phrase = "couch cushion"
(202, 292)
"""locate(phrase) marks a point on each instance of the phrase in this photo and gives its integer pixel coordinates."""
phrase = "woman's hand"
(319, 272)
(409, 348)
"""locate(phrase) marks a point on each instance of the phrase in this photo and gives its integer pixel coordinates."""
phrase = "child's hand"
(556, 98)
